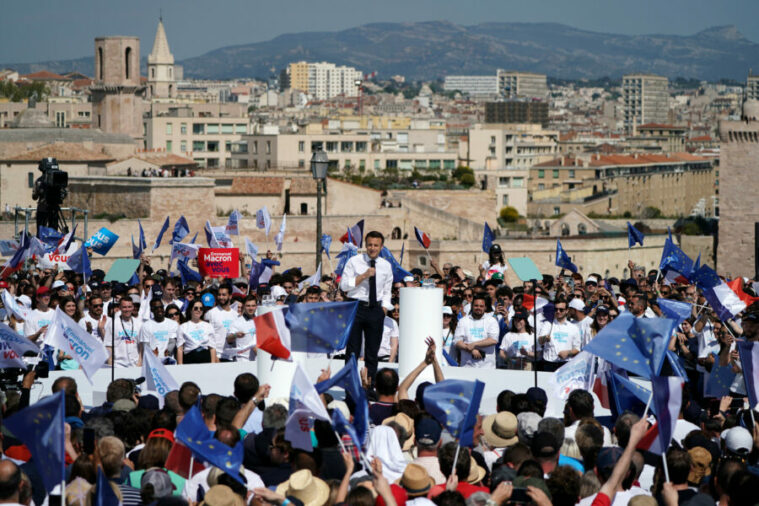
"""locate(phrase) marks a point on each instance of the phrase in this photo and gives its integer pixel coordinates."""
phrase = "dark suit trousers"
(368, 321)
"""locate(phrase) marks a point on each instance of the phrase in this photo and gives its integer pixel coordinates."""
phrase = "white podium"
(421, 315)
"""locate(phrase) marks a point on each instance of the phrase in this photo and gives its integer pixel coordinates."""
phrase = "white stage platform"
(219, 378)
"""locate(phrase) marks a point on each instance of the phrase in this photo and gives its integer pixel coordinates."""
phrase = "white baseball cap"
(277, 292)
(447, 310)
(739, 441)
(577, 304)
(57, 284)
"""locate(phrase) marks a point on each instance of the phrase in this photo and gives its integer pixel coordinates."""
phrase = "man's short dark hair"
(623, 426)
(66, 382)
(119, 389)
(386, 381)
(188, 395)
(446, 455)
(208, 405)
(504, 291)
(678, 463)
(313, 289)
(503, 402)
(376, 235)
(10, 485)
(516, 454)
(226, 409)
(449, 498)
(590, 440)
(564, 485)
(531, 469)
(581, 403)
(246, 386)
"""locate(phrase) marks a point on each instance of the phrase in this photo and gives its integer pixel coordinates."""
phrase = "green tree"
(467, 179)
(509, 214)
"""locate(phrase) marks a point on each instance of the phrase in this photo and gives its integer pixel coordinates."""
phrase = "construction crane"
(360, 85)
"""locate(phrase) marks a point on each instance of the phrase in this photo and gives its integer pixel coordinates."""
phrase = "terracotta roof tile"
(44, 75)
(63, 152)
(267, 185)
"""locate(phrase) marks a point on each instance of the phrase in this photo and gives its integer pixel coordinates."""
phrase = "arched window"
(127, 58)
(100, 63)
(396, 233)
(152, 72)
(582, 229)
(564, 229)
(171, 90)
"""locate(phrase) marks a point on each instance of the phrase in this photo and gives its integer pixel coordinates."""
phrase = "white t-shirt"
(389, 331)
(201, 479)
(87, 318)
(564, 337)
(244, 348)
(470, 330)
(127, 350)
(513, 342)
(195, 335)
(221, 321)
(493, 269)
(36, 321)
(157, 335)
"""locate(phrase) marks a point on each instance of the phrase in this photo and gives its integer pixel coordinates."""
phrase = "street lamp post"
(319, 165)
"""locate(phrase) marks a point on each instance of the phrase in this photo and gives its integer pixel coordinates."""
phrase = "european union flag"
(348, 379)
(40, 428)
(673, 259)
(79, 261)
(720, 379)
(676, 363)
(635, 344)
(326, 241)
(562, 259)
(194, 434)
(349, 250)
(188, 274)
(488, 236)
(50, 236)
(634, 236)
(342, 426)
(678, 311)
(398, 272)
(320, 327)
(105, 496)
(627, 395)
(454, 403)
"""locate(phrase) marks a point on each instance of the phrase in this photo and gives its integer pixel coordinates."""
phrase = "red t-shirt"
(601, 500)
(464, 489)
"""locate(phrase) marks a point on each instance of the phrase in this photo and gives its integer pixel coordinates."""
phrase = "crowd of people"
(518, 455)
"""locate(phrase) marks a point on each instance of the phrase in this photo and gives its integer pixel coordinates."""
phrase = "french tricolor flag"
(601, 383)
(423, 238)
(272, 334)
(723, 300)
(749, 355)
(355, 234)
(668, 396)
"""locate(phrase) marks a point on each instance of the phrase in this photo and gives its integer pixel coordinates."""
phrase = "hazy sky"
(38, 30)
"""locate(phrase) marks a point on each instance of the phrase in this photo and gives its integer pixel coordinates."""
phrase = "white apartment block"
(752, 87)
(503, 154)
(326, 80)
(472, 85)
(513, 84)
(646, 100)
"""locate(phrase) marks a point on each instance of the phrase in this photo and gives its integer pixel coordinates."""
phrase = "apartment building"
(324, 80)
(502, 156)
(513, 84)
(196, 133)
(752, 87)
(349, 150)
(472, 85)
(646, 100)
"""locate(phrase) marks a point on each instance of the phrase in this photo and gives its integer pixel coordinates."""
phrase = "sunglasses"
(198, 308)
(172, 315)
(97, 305)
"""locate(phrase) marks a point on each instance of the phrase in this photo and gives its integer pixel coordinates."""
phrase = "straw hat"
(407, 423)
(476, 473)
(500, 429)
(222, 495)
(416, 481)
(304, 486)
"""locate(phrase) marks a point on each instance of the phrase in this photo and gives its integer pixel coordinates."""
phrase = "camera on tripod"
(54, 180)
(49, 191)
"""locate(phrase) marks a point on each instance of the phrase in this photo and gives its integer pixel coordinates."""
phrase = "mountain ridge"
(433, 49)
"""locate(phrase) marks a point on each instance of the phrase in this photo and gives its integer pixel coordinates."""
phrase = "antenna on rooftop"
(160, 15)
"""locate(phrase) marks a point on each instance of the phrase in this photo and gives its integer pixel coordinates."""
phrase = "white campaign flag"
(13, 307)
(280, 237)
(263, 219)
(157, 378)
(251, 248)
(66, 335)
(13, 346)
(576, 373)
(184, 251)
(305, 405)
(312, 280)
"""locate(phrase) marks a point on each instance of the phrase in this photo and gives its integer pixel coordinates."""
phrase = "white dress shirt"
(358, 265)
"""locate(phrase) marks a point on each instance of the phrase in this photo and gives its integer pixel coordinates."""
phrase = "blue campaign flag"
(488, 236)
(326, 241)
(181, 230)
(143, 244)
(193, 238)
(720, 379)
(403, 247)
(634, 236)
(50, 236)
(673, 259)
(40, 428)
(349, 379)
(192, 427)
(676, 363)
(749, 354)
(136, 251)
(21, 253)
(188, 274)
(562, 258)
(158, 239)
(448, 358)
(104, 494)
(637, 345)
(320, 327)
(102, 241)
(679, 311)
(342, 426)
(455, 403)
(398, 272)
(256, 269)
(79, 261)
(627, 395)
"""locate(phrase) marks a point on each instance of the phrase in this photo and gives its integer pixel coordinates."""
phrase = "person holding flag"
(368, 278)
(495, 263)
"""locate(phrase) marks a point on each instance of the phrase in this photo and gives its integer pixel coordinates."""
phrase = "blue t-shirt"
(569, 461)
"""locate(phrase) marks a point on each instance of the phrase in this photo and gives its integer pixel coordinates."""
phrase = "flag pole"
(535, 330)
(666, 469)
(456, 456)
(192, 465)
(648, 404)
